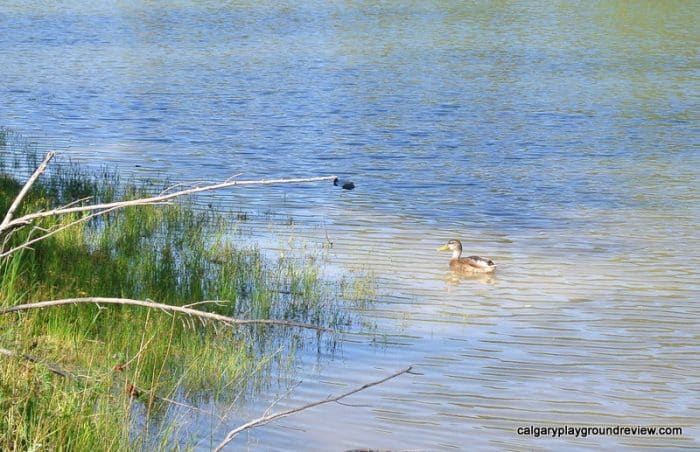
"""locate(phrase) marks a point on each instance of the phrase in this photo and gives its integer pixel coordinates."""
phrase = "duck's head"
(453, 245)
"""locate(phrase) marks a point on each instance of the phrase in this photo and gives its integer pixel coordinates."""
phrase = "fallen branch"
(55, 231)
(26, 219)
(164, 307)
(48, 232)
(7, 221)
(265, 419)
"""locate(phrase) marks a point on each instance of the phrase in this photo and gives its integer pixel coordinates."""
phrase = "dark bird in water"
(344, 184)
(471, 264)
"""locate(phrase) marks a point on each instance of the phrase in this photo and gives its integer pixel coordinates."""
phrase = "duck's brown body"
(471, 264)
(474, 264)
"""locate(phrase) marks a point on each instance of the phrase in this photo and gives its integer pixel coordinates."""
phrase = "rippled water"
(559, 138)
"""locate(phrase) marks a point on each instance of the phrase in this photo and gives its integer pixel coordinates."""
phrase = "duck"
(471, 264)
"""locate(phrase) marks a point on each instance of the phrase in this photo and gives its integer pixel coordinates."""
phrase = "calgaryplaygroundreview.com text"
(583, 431)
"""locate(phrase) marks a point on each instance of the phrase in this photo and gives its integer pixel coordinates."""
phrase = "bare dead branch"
(154, 199)
(77, 201)
(10, 225)
(164, 307)
(233, 177)
(23, 192)
(191, 184)
(216, 302)
(8, 235)
(29, 243)
(265, 419)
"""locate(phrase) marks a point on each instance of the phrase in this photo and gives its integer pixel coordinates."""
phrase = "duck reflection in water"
(455, 278)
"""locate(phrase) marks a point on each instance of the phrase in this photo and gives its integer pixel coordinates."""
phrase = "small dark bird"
(344, 184)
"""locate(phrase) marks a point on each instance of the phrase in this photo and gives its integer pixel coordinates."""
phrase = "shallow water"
(560, 139)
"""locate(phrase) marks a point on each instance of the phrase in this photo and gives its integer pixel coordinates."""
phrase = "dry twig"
(7, 221)
(26, 219)
(55, 231)
(265, 419)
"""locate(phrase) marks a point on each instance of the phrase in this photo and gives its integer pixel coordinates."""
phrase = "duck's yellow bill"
(443, 248)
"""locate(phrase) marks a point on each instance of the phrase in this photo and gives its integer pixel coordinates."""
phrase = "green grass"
(174, 254)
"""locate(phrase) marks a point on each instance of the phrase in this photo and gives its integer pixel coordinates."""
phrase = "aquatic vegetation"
(101, 376)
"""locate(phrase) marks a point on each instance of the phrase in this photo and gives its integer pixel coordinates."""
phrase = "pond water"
(560, 139)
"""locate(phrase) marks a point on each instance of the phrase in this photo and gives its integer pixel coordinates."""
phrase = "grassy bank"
(126, 360)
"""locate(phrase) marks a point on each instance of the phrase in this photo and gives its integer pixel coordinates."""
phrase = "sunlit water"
(560, 139)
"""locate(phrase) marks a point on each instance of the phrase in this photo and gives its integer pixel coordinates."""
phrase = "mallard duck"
(471, 264)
